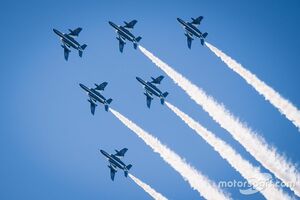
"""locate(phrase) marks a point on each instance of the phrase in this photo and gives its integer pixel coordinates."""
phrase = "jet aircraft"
(95, 96)
(151, 89)
(68, 41)
(192, 30)
(124, 34)
(115, 162)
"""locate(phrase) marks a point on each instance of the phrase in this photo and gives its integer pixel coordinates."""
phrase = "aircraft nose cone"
(138, 78)
(55, 31)
(110, 23)
(179, 20)
(103, 152)
(83, 86)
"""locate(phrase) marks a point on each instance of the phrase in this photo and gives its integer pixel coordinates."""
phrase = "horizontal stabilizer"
(202, 41)
(165, 94)
(108, 101)
(83, 46)
(80, 50)
(204, 35)
(128, 166)
(125, 173)
(106, 107)
(138, 39)
(127, 169)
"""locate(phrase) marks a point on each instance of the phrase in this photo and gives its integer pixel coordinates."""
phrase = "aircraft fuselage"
(114, 160)
(68, 40)
(149, 87)
(123, 32)
(190, 28)
(93, 94)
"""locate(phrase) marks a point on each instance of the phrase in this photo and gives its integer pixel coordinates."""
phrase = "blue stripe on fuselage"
(125, 33)
(70, 41)
(152, 89)
(192, 29)
(97, 96)
(116, 161)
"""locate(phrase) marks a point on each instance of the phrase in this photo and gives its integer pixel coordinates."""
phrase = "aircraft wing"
(121, 45)
(66, 53)
(101, 86)
(189, 40)
(112, 172)
(157, 80)
(130, 24)
(148, 99)
(93, 106)
(197, 21)
(75, 32)
(121, 152)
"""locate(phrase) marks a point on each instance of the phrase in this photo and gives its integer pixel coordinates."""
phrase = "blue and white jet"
(151, 89)
(124, 34)
(68, 41)
(192, 30)
(115, 162)
(95, 96)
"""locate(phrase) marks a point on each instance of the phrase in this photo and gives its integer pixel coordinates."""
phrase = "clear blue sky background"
(49, 140)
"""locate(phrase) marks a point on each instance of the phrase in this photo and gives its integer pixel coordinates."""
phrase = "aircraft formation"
(95, 97)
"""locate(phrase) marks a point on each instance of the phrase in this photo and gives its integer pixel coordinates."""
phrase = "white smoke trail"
(254, 144)
(252, 174)
(197, 181)
(155, 195)
(283, 105)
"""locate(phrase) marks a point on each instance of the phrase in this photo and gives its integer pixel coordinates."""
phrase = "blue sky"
(49, 141)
